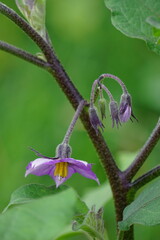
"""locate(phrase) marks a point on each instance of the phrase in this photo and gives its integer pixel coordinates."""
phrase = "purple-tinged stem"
(73, 122)
(108, 75)
(108, 92)
(75, 98)
(131, 171)
(145, 178)
(93, 90)
(23, 54)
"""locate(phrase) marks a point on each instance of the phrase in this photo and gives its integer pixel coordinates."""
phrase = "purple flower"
(94, 119)
(60, 169)
(114, 113)
(125, 109)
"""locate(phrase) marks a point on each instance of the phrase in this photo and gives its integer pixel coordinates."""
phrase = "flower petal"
(59, 180)
(40, 166)
(126, 114)
(86, 172)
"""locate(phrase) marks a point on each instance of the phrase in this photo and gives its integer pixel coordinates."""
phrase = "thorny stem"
(23, 54)
(131, 171)
(120, 181)
(73, 122)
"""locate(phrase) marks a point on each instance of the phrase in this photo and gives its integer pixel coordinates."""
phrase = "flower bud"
(63, 150)
(94, 119)
(114, 113)
(125, 109)
(102, 107)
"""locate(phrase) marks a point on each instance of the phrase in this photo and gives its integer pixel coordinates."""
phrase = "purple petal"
(40, 166)
(80, 163)
(125, 116)
(86, 172)
(45, 166)
(73, 161)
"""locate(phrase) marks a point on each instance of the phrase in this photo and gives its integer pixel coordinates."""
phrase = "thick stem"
(119, 180)
(23, 54)
(75, 98)
(144, 153)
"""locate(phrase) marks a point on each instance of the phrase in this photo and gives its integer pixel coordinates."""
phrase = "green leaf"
(98, 196)
(29, 192)
(135, 18)
(34, 11)
(144, 210)
(92, 223)
(73, 236)
(45, 217)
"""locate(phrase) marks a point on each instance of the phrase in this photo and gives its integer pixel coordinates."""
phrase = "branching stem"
(144, 153)
(145, 178)
(23, 54)
(74, 97)
(120, 181)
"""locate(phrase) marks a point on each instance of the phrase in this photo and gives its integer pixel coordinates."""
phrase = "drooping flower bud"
(125, 109)
(114, 113)
(102, 107)
(94, 119)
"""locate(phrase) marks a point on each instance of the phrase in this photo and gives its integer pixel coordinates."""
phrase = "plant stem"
(145, 178)
(119, 181)
(23, 54)
(108, 92)
(73, 122)
(108, 75)
(93, 93)
(144, 153)
(75, 98)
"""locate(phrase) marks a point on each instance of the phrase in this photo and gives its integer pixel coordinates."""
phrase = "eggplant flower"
(125, 109)
(94, 119)
(114, 113)
(60, 169)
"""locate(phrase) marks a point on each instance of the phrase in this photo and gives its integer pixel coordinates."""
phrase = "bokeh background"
(34, 111)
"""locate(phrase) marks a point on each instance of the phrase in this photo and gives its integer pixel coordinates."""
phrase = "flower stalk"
(120, 181)
(73, 122)
(108, 75)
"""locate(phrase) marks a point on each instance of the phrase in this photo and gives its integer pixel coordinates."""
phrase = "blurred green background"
(34, 111)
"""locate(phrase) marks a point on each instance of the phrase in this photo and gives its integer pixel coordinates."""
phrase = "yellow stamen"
(61, 169)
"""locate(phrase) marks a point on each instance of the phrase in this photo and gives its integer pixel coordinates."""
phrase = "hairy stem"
(23, 54)
(73, 122)
(108, 75)
(120, 181)
(75, 98)
(144, 153)
(145, 178)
